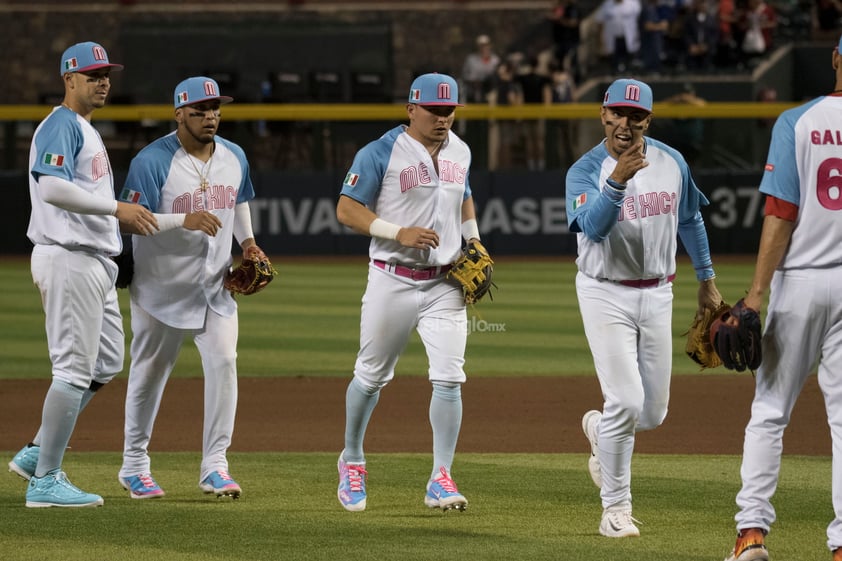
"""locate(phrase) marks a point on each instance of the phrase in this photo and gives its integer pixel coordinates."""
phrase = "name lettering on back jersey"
(218, 197)
(826, 136)
(647, 205)
(413, 176)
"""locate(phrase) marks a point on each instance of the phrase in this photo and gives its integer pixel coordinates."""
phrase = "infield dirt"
(707, 415)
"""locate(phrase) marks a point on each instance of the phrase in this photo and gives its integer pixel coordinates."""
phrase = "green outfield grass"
(521, 507)
(307, 322)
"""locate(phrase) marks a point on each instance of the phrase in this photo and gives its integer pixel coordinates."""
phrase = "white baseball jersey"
(804, 168)
(394, 176)
(643, 242)
(178, 273)
(66, 145)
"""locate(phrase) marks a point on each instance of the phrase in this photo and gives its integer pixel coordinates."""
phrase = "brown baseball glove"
(252, 275)
(699, 347)
(473, 271)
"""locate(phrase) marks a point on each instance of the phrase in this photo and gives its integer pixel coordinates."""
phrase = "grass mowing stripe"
(307, 322)
(521, 506)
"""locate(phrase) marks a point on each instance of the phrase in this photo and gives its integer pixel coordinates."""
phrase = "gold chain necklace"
(203, 183)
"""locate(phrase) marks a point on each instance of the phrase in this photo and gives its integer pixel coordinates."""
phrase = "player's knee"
(366, 386)
(652, 417)
(449, 391)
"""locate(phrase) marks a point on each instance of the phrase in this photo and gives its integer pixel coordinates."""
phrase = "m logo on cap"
(444, 91)
(99, 53)
(633, 92)
(210, 89)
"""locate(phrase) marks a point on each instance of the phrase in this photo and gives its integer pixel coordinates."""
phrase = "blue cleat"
(54, 489)
(142, 486)
(221, 484)
(25, 461)
(351, 490)
(442, 493)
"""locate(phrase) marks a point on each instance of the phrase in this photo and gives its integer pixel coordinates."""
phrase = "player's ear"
(179, 116)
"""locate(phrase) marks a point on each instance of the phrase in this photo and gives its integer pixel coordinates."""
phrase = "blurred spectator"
(687, 134)
(726, 50)
(478, 71)
(565, 19)
(654, 23)
(617, 21)
(826, 18)
(503, 133)
(564, 91)
(701, 35)
(758, 22)
(674, 40)
(536, 88)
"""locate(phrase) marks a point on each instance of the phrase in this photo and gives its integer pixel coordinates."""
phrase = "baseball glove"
(474, 271)
(698, 346)
(125, 264)
(252, 274)
(736, 337)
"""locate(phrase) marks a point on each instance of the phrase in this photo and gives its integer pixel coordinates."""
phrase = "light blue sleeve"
(363, 180)
(591, 209)
(148, 172)
(691, 225)
(59, 139)
(783, 182)
(246, 191)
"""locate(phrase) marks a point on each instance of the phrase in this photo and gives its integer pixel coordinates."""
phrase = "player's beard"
(203, 135)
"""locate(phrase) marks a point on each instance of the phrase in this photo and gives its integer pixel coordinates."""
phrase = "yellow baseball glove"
(699, 347)
(473, 271)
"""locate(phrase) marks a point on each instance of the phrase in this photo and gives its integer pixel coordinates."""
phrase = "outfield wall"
(519, 213)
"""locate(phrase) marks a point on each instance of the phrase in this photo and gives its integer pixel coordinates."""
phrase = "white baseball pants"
(154, 350)
(629, 331)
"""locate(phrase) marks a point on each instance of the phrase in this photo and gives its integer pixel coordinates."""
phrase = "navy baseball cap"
(84, 57)
(628, 93)
(434, 89)
(196, 90)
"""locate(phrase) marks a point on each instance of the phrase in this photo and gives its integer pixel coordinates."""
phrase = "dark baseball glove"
(252, 275)
(735, 336)
(474, 271)
(698, 346)
(125, 264)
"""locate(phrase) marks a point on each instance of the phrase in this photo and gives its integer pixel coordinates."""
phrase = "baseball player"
(74, 227)
(799, 266)
(627, 198)
(199, 183)
(409, 191)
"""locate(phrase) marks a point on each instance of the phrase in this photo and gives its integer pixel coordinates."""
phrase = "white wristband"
(381, 229)
(470, 229)
(168, 222)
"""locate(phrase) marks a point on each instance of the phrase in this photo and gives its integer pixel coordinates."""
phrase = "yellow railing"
(397, 111)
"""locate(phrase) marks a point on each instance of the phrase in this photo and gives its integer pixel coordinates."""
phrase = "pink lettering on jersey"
(627, 210)
(769, 167)
(648, 205)
(826, 136)
(216, 197)
(181, 204)
(408, 179)
(424, 174)
(452, 172)
(99, 166)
